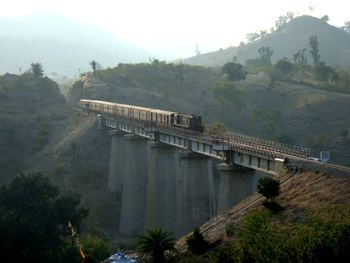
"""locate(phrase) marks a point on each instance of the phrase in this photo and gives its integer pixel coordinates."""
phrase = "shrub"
(230, 229)
(196, 243)
(268, 187)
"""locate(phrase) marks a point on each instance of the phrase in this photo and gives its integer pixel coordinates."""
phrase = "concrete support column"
(161, 194)
(235, 186)
(132, 216)
(116, 162)
(194, 191)
(100, 122)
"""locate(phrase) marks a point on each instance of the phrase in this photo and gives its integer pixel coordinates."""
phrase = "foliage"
(34, 219)
(299, 57)
(268, 187)
(93, 65)
(155, 244)
(234, 71)
(196, 243)
(269, 120)
(319, 143)
(37, 70)
(324, 73)
(42, 136)
(227, 95)
(283, 20)
(265, 55)
(283, 66)
(230, 229)
(96, 248)
(323, 237)
(313, 43)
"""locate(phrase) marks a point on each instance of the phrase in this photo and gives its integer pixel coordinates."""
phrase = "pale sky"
(177, 26)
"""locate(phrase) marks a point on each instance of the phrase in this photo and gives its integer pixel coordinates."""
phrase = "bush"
(96, 248)
(196, 243)
(268, 187)
(230, 229)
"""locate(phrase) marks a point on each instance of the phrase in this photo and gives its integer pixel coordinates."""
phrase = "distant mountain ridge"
(334, 44)
(61, 44)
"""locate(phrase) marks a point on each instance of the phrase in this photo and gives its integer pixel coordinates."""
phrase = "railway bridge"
(178, 179)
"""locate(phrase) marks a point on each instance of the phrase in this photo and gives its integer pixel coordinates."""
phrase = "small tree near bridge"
(268, 187)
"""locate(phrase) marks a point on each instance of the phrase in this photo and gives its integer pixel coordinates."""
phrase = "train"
(146, 115)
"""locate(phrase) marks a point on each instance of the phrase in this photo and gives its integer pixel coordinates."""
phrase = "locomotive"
(146, 115)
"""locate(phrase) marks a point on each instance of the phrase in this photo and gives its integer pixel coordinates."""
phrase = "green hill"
(291, 113)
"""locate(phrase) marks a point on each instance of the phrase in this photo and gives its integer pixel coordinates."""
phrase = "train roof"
(130, 106)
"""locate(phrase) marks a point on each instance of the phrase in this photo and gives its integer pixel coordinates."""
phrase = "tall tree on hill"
(37, 70)
(234, 71)
(313, 43)
(265, 55)
(93, 64)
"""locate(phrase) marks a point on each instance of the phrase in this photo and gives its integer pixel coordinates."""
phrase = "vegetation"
(96, 248)
(234, 71)
(268, 187)
(94, 66)
(228, 96)
(34, 220)
(323, 237)
(196, 243)
(37, 70)
(155, 244)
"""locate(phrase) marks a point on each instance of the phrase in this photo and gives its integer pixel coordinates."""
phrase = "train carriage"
(143, 114)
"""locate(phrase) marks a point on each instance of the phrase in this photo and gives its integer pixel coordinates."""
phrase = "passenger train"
(146, 115)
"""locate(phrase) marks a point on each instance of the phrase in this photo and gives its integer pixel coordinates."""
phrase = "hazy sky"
(177, 26)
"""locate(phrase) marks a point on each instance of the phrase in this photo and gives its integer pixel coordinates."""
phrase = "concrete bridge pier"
(161, 194)
(194, 191)
(99, 122)
(235, 185)
(132, 217)
(116, 162)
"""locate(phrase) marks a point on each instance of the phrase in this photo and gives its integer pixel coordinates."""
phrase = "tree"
(227, 95)
(196, 243)
(268, 187)
(313, 43)
(347, 26)
(155, 244)
(96, 248)
(234, 71)
(325, 18)
(37, 70)
(324, 73)
(283, 66)
(93, 64)
(265, 55)
(34, 219)
(299, 57)
(319, 143)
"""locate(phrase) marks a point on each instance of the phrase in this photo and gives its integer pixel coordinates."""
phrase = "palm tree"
(155, 244)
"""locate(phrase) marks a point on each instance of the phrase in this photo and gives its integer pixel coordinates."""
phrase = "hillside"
(296, 112)
(285, 42)
(40, 132)
(308, 190)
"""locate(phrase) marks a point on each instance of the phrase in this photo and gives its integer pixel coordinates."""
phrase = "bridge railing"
(240, 143)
